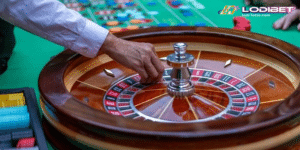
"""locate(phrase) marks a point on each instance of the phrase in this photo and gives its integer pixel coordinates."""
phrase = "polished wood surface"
(271, 66)
(93, 84)
(155, 102)
(57, 138)
(255, 140)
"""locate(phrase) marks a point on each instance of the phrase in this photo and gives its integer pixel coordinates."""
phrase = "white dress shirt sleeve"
(50, 19)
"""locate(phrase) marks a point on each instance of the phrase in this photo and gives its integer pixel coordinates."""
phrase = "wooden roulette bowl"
(251, 104)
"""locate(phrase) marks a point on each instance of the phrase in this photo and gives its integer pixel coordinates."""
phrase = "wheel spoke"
(150, 100)
(191, 107)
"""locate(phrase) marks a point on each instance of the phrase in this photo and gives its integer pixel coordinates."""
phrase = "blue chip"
(5, 136)
(83, 1)
(5, 145)
(21, 133)
(163, 25)
(8, 122)
(122, 18)
(122, 15)
(200, 24)
(151, 3)
(129, 4)
(175, 3)
(13, 110)
(184, 7)
(111, 3)
(187, 13)
(182, 24)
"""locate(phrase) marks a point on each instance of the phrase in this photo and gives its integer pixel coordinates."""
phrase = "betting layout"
(122, 15)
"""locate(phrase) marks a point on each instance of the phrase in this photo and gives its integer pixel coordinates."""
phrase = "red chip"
(146, 20)
(237, 20)
(26, 142)
(247, 27)
(241, 23)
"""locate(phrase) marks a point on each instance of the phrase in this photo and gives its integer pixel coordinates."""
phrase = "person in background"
(268, 2)
(285, 22)
(7, 43)
(50, 19)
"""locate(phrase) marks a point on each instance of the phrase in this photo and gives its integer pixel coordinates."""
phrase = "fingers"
(159, 67)
(289, 19)
(247, 2)
(144, 75)
(152, 64)
(157, 63)
(151, 71)
(140, 57)
(298, 27)
(285, 22)
(279, 23)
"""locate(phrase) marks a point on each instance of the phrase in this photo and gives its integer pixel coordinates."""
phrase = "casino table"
(188, 13)
(157, 129)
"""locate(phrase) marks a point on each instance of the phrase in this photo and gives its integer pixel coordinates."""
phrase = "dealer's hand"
(285, 22)
(140, 57)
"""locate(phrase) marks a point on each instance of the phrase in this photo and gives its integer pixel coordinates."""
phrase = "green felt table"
(32, 52)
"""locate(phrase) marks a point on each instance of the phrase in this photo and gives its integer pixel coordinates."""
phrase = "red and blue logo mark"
(231, 9)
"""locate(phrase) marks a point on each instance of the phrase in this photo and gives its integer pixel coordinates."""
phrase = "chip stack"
(129, 4)
(241, 23)
(152, 3)
(20, 127)
(112, 23)
(186, 11)
(110, 2)
(163, 25)
(122, 17)
(175, 2)
(115, 29)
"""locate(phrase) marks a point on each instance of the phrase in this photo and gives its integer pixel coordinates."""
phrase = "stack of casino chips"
(110, 3)
(241, 23)
(15, 130)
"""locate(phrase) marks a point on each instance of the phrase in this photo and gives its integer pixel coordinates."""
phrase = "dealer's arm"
(51, 20)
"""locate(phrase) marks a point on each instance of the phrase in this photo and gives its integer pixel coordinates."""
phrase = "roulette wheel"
(221, 89)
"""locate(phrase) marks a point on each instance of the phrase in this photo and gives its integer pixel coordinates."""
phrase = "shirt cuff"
(90, 39)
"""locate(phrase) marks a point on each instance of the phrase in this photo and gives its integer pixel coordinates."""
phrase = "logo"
(231, 9)
(228, 10)
(268, 9)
